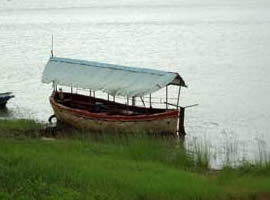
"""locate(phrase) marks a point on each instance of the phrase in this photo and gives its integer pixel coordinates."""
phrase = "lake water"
(220, 47)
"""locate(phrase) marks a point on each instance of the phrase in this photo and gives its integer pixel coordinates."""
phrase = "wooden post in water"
(181, 122)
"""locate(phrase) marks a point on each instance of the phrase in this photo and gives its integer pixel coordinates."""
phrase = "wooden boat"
(4, 97)
(96, 114)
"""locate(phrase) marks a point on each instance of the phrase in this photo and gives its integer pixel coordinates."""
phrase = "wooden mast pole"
(52, 47)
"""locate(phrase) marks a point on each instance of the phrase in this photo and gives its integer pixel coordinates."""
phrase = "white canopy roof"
(112, 79)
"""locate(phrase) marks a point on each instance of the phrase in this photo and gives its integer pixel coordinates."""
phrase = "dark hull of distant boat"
(4, 97)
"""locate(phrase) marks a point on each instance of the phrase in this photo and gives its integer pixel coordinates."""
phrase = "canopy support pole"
(178, 98)
(113, 98)
(94, 93)
(127, 100)
(90, 93)
(108, 97)
(167, 97)
(54, 86)
(142, 101)
(133, 101)
(150, 103)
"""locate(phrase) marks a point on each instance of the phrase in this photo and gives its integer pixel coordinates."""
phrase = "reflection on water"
(5, 113)
(14, 111)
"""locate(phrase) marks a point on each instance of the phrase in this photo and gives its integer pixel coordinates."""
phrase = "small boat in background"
(4, 97)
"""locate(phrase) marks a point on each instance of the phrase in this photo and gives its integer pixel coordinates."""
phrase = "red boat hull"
(157, 121)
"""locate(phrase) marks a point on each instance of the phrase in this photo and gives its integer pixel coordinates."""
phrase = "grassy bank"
(106, 167)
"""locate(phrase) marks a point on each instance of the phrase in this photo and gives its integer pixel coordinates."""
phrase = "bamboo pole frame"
(167, 97)
(150, 101)
(178, 98)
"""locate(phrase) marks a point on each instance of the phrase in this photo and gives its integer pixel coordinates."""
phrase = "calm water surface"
(221, 48)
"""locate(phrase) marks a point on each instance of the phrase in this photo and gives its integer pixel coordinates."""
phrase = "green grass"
(20, 128)
(104, 167)
(92, 171)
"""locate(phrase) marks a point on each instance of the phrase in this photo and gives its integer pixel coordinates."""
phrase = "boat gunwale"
(105, 117)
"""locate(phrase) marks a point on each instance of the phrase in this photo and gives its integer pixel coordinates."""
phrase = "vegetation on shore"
(104, 167)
